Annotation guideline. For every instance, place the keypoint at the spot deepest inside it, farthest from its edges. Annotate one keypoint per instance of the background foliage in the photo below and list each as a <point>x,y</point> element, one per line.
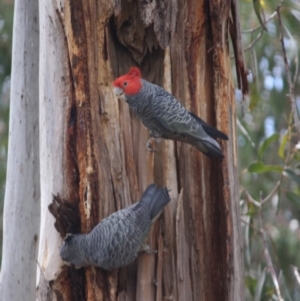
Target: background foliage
<point>269,153</point>
<point>268,143</point>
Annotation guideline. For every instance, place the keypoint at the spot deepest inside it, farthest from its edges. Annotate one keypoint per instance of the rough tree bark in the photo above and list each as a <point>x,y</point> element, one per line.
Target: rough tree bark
<point>93,149</point>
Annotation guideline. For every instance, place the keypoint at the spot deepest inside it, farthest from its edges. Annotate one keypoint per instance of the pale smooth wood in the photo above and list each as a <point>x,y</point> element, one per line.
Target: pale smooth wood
<point>21,215</point>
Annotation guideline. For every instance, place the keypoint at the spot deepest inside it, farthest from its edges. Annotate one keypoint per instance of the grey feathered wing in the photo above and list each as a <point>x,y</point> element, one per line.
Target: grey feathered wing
<point>179,124</point>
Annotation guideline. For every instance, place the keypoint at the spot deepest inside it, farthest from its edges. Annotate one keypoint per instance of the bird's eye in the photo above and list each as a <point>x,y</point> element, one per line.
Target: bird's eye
<point>125,84</point>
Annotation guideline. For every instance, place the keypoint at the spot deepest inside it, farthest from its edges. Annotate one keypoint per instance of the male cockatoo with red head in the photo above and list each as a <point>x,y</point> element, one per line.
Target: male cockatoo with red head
<point>165,116</point>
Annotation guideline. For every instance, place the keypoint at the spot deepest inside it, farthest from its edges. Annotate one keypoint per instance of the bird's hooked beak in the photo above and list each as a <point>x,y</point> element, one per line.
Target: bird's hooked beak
<point>119,93</point>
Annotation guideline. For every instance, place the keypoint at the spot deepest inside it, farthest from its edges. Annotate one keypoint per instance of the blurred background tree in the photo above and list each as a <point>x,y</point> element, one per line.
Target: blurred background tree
<point>6,22</point>
<point>268,144</point>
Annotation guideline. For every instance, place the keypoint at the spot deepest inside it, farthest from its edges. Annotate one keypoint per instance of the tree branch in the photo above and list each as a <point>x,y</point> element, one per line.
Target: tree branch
<point>266,199</point>
<point>259,26</point>
<point>250,199</point>
<point>272,193</point>
<point>244,132</point>
<point>297,69</point>
<point>251,225</point>
<point>268,258</point>
<point>260,34</point>
<point>288,73</point>
<point>296,273</point>
<point>254,41</point>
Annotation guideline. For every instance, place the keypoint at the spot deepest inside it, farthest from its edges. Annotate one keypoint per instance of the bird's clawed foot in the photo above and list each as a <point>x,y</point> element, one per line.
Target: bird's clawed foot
<point>147,249</point>
<point>154,135</point>
<point>149,145</point>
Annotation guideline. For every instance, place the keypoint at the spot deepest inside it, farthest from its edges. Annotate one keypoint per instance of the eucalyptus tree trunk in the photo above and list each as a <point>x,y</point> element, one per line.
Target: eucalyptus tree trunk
<point>22,193</point>
<point>93,149</point>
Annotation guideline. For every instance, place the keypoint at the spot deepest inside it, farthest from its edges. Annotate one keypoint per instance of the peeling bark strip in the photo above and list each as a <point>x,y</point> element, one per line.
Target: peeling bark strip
<point>76,27</point>
<point>182,46</point>
<point>76,34</point>
<point>236,38</point>
<point>221,222</point>
<point>67,218</point>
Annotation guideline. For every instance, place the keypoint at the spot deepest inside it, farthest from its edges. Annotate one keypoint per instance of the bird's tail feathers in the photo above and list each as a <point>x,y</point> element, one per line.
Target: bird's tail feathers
<point>159,201</point>
<point>148,195</point>
<point>155,198</point>
<point>146,198</point>
<point>209,147</point>
<point>211,131</point>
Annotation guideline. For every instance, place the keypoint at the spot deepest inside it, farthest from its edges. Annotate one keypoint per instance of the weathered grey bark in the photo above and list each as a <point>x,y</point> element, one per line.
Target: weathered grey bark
<point>22,194</point>
<point>53,101</point>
